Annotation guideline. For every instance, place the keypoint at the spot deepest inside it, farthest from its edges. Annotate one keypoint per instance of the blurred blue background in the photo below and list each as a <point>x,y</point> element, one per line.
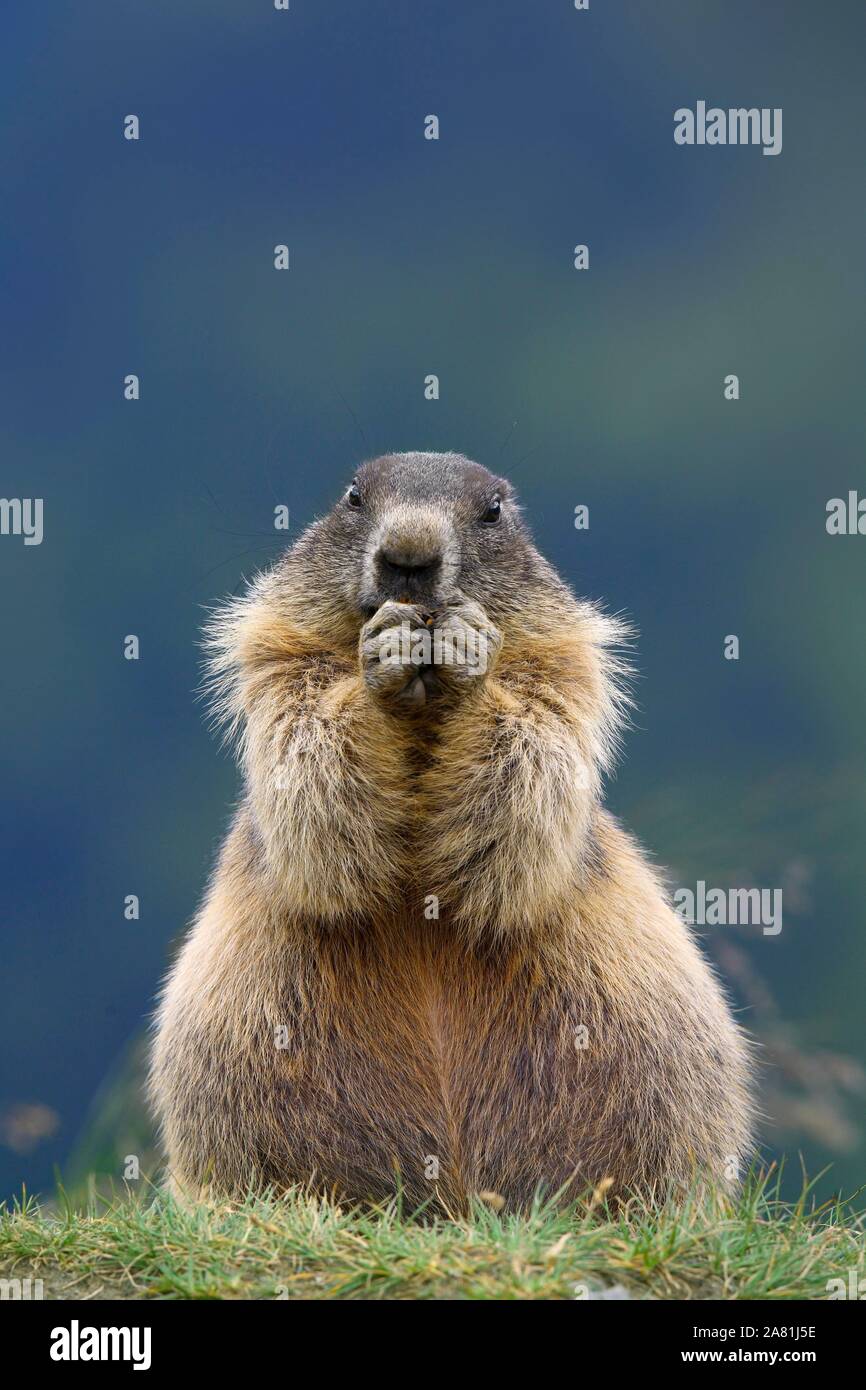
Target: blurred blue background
<point>604,387</point>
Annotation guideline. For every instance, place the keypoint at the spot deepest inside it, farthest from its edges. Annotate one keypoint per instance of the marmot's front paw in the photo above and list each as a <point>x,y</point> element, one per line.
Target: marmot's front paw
<point>465,644</point>
<point>391,662</point>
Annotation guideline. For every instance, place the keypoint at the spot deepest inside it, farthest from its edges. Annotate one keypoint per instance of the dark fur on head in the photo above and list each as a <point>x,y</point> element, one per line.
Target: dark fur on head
<point>429,516</point>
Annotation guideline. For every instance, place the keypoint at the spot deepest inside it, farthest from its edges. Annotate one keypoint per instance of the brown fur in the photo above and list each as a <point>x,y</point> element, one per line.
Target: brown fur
<point>410,1039</point>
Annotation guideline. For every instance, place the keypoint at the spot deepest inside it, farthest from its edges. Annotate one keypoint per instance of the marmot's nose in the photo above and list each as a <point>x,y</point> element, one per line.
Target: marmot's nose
<point>405,564</point>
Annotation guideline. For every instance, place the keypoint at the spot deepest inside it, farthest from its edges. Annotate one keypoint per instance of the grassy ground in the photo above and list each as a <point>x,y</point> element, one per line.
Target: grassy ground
<point>299,1247</point>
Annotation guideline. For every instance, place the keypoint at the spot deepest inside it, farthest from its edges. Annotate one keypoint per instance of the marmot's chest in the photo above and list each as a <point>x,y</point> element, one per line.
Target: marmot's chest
<point>421,1057</point>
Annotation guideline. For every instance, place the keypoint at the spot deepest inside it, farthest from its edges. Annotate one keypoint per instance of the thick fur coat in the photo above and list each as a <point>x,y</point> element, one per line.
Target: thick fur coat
<point>428,955</point>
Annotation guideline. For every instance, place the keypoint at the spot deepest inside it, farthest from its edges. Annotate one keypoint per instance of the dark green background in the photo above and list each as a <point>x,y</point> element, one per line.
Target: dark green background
<point>603,388</point>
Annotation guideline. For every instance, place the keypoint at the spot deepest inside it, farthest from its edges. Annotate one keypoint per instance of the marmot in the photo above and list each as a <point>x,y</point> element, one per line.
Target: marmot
<point>428,957</point>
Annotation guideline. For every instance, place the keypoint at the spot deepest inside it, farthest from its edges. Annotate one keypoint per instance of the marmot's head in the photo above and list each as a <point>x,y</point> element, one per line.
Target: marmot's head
<point>431,528</point>
<point>418,527</point>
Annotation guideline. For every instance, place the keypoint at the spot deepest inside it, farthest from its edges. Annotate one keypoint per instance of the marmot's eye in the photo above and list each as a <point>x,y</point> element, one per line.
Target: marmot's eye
<point>353,496</point>
<point>491,516</point>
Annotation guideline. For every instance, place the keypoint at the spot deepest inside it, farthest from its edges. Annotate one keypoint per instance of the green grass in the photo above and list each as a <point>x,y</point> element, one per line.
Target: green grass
<point>754,1247</point>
